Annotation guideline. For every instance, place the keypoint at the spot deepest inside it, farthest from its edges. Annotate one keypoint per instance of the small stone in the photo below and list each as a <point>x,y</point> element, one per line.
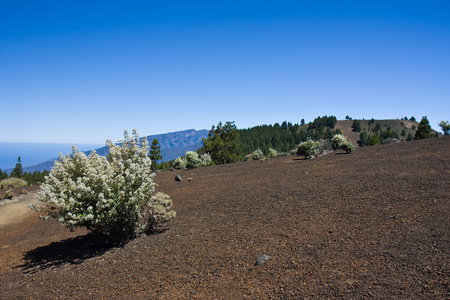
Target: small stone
<point>23,191</point>
<point>262,259</point>
<point>178,177</point>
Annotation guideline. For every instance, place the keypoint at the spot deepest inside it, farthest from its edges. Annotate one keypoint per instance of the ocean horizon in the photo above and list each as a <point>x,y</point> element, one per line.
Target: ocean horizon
<point>35,153</point>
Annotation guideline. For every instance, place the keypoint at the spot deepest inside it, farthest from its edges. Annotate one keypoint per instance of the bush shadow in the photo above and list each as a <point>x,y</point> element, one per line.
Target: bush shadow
<point>70,251</point>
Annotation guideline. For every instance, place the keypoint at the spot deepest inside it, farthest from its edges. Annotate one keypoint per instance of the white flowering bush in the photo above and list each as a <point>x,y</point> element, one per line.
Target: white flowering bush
<point>272,153</point>
<point>110,195</point>
<point>309,148</point>
<point>192,160</point>
<point>338,141</point>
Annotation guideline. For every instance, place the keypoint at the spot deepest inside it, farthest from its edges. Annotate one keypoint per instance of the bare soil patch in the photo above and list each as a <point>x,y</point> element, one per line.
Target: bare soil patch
<point>374,223</point>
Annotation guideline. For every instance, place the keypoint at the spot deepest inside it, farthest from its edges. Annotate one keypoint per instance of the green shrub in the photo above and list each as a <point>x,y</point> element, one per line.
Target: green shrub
<point>192,160</point>
<point>347,147</point>
<point>9,194</point>
<point>12,182</point>
<point>308,149</point>
<point>272,153</point>
<point>340,142</point>
<point>109,195</point>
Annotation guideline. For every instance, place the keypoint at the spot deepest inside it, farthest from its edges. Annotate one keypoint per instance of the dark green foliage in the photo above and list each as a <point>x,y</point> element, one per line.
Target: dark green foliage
<point>377,127</point>
<point>3,175</point>
<point>424,130</point>
<point>364,139</point>
<point>403,132</point>
<point>356,126</point>
<point>18,170</point>
<point>224,143</point>
<point>445,126</point>
<point>409,138</point>
<point>155,153</point>
<point>374,140</point>
<point>302,122</point>
<point>35,177</point>
<point>276,137</point>
<point>389,133</point>
<point>267,136</point>
<point>412,119</point>
<point>320,123</point>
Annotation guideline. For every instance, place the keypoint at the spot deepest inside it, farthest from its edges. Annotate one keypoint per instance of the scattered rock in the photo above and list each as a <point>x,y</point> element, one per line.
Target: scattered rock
<point>262,259</point>
<point>189,179</point>
<point>23,191</point>
<point>178,177</point>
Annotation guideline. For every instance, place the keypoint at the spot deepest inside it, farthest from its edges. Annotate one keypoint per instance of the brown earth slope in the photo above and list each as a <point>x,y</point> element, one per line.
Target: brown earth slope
<point>374,223</point>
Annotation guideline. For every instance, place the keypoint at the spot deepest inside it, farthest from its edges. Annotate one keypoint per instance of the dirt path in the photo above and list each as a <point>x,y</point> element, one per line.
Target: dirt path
<point>15,210</point>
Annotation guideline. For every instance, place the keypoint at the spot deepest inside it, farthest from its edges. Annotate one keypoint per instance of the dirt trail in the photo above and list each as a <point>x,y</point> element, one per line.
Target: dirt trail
<point>15,210</point>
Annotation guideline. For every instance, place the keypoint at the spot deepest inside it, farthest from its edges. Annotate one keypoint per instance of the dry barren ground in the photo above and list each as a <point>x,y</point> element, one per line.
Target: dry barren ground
<point>374,223</point>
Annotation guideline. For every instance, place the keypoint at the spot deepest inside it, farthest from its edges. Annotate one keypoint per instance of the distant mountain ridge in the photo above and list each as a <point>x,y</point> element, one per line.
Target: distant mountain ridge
<point>173,145</point>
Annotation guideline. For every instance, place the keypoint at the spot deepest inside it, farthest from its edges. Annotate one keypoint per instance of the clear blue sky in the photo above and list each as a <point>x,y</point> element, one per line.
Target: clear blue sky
<point>84,71</point>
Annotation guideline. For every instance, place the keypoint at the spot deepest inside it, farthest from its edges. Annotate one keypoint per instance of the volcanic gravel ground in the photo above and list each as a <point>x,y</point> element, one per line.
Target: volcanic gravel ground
<point>374,223</point>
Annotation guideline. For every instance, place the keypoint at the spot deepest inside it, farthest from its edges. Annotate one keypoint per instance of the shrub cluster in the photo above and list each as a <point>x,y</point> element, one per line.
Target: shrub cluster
<point>340,142</point>
<point>192,160</point>
<point>308,149</point>
<point>13,182</point>
<point>109,195</point>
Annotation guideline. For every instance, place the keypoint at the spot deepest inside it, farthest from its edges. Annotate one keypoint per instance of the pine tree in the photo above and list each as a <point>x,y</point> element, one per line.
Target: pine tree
<point>155,153</point>
<point>424,130</point>
<point>18,170</point>
<point>445,126</point>
<point>223,143</point>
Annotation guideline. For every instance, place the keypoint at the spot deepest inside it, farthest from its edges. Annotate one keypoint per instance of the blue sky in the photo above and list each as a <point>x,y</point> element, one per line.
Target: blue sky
<point>84,71</point>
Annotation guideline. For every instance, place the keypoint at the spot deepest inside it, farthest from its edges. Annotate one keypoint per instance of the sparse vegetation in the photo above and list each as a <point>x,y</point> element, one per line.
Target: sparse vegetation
<point>13,182</point>
<point>109,195</point>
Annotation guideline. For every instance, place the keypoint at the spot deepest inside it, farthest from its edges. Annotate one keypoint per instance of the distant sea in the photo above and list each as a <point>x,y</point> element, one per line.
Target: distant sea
<point>34,153</point>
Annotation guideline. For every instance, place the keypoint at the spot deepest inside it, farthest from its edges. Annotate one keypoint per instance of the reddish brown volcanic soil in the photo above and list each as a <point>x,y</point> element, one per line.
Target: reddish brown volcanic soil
<point>374,223</point>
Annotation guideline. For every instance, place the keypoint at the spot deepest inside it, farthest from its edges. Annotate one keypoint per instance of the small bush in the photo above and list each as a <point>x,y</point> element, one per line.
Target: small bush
<point>255,155</point>
<point>308,149</point>
<point>9,194</point>
<point>13,182</point>
<point>192,160</point>
<point>340,142</point>
<point>109,195</point>
<point>347,147</point>
<point>272,153</point>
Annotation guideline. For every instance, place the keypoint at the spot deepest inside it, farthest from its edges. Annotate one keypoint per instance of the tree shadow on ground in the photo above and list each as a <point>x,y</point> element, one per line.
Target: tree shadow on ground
<point>70,251</point>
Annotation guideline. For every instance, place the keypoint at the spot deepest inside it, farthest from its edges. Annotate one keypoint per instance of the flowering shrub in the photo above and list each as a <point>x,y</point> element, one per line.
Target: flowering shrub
<point>14,182</point>
<point>309,148</point>
<point>272,153</point>
<point>110,195</point>
<point>340,142</point>
<point>192,160</point>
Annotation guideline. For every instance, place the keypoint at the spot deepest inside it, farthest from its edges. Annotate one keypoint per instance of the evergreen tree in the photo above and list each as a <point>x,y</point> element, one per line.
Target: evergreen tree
<point>424,130</point>
<point>18,170</point>
<point>3,175</point>
<point>155,153</point>
<point>356,126</point>
<point>445,126</point>
<point>223,143</point>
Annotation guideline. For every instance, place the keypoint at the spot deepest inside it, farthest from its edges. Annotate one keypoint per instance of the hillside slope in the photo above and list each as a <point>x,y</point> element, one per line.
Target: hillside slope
<point>373,223</point>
